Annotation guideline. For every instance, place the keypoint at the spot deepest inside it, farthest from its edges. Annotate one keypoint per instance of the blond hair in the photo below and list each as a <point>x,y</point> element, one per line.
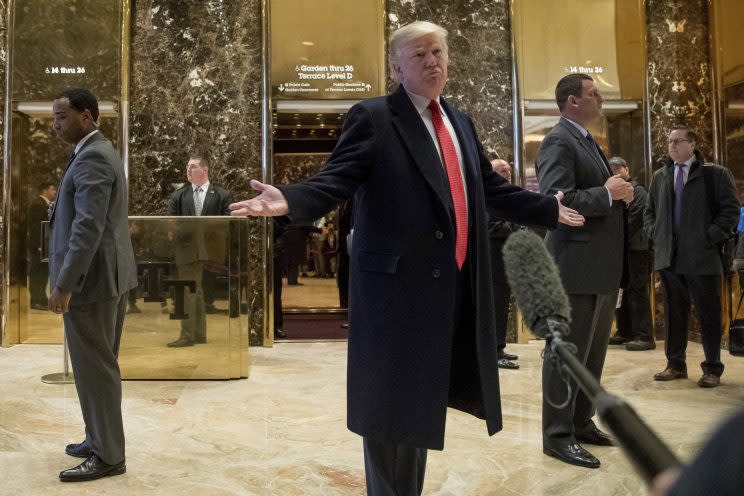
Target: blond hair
<point>405,34</point>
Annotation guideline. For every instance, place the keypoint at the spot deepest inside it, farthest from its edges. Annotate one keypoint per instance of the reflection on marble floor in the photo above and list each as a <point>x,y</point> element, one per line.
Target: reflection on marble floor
<point>282,432</point>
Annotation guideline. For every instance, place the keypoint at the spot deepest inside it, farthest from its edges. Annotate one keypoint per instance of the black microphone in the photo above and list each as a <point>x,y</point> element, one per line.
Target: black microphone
<point>536,284</point>
<point>537,287</point>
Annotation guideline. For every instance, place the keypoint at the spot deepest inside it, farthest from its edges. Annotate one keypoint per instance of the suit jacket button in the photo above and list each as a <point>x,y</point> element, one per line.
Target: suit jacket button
<point>435,273</point>
<point>438,234</point>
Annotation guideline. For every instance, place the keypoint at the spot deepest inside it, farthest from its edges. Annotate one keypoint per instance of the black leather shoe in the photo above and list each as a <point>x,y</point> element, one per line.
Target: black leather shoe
<point>640,345</point>
<point>508,356</point>
<point>81,450</point>
<point>503,363</point>
<point>92,468</point>
<point>619,340</point>
<point>39,306</point>
<point>573,454</point>
<point>133,309</point>
<point>594,436</point>
<point>180,343</point>
<point>280,334</point>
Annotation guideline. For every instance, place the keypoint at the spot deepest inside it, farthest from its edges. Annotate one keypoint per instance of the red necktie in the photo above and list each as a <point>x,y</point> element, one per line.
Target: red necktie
<point>452,166</point>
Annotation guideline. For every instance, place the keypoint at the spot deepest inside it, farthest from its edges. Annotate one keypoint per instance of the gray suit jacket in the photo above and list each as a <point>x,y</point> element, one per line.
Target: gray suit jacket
<point>590,258</point>
<point>90,251</point>
<point>701,230</point>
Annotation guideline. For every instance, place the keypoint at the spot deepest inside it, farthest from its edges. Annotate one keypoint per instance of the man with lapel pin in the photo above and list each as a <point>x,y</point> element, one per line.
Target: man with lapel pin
<point>422,334</point>
<point>91,268</point>
<point>197,197</point>
<point>590,258</point>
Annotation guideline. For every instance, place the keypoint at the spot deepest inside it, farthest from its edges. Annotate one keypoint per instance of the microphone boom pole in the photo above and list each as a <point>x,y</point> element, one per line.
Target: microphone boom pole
<point>536,285</point>
<point>648,453</point>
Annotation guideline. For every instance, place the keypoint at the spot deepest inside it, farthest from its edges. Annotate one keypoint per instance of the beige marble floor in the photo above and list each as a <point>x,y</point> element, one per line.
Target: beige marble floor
<point>282,432</point>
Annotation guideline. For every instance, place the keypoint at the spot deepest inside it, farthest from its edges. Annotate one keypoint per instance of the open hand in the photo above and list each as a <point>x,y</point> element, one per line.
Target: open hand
<point>566,215</point>
<point>269,203</point>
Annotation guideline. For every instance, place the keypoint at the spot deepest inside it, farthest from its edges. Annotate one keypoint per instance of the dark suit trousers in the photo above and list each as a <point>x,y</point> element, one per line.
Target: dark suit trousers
<point>706,295</point>
<point>591,320</point>
<point>393,469</point>
<point>93,334</point>
<point>194,328</point>
<point>501,291</point>
<point>634,314</point>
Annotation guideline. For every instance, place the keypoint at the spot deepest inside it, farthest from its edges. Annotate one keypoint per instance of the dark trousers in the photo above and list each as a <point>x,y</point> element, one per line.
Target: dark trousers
<point>501,291</point>
<point>591,319</point>
<point>280,267</point>
<point>394,469</point>
<point>38,278</point>
<point>634,314</point>
<point>93,333</point>
<point>705,292</point>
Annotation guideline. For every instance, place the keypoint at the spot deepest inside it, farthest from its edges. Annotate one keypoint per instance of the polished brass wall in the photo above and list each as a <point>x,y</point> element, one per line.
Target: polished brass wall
<point>52,45</point>
<point>184,264</point>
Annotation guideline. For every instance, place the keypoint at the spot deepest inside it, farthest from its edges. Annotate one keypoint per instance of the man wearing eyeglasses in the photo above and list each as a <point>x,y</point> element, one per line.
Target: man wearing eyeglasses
<point>691,209</point>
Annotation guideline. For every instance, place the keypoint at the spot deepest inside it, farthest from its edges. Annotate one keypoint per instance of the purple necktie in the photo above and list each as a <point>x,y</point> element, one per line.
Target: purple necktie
<point>679,185</point>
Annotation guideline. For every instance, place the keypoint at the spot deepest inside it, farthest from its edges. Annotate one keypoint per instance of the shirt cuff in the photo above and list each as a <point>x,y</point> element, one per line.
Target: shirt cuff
<point>609,195</point>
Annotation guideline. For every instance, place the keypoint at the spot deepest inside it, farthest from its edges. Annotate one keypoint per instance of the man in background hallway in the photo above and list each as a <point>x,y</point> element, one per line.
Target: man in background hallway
<point>634,328</point>
<point>38,271</point>
<point>498,231</point>
<point>590,260</point>
<point>91,267</point>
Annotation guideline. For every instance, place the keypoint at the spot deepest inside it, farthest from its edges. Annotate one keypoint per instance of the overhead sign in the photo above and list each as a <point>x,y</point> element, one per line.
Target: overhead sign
<point>316,56</point>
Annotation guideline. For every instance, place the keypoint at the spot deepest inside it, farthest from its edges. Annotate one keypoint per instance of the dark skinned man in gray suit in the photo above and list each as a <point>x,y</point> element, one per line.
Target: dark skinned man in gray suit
<point>91,267</point>
<point>590,259</point>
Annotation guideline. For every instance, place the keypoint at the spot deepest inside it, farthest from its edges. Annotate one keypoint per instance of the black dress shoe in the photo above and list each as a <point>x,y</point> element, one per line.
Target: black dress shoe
<point>39,306</point>
<point>640,345</point>
<point>594,436</point>
<point>503,363</point>
<point>280,334</point>
<point>180,343</point>
<point>92,468</point>
<point>508,356</point>
<point>81,450</point>
<point>573,454</point>
<point>617,339</point>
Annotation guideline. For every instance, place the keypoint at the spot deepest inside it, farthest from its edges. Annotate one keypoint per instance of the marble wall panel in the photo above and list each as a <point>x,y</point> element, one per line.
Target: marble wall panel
<point>196,69</point>
<point>679,82</point>
<point>480,80</point>
<point>680,89</point>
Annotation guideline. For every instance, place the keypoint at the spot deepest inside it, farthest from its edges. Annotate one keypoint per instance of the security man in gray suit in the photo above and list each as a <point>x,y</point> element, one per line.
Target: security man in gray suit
<point>590,259</point>
<point>91,266</point>
<point>692,207</point>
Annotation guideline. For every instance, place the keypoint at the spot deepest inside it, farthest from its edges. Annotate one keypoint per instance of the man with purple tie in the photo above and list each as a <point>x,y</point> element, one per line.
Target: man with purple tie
<point>692,208</point>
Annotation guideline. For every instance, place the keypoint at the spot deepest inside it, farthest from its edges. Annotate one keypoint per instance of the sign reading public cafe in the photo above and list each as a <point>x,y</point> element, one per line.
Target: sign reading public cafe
<point>327,49</point>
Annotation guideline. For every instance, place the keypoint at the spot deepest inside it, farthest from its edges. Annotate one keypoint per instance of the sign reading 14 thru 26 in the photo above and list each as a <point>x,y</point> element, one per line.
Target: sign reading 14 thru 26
<point>323,81</point>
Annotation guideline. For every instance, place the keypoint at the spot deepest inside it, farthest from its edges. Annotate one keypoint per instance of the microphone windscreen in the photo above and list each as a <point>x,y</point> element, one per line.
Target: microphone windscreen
<point>534,279</point>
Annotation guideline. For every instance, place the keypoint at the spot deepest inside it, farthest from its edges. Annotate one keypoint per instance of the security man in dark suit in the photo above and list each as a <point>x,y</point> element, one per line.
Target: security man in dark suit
<point>197,197</point>
<point>91,270</point>
<point>590,259</point>
<point>692,208</point>
<point>422,334</point>
<point>38,272</point>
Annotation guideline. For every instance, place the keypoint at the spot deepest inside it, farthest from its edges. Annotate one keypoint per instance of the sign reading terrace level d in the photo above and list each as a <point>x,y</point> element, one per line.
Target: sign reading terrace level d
<point>342,59</point>
<point>340,77</point>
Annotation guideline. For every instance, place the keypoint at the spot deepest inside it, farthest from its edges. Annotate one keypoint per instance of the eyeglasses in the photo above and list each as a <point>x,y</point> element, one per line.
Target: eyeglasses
<point>677,141</point>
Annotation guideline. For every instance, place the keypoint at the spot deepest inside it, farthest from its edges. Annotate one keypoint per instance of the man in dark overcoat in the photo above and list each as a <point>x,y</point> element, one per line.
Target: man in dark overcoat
<point>692,208</point>
<point>422,334</point>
